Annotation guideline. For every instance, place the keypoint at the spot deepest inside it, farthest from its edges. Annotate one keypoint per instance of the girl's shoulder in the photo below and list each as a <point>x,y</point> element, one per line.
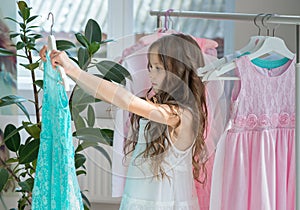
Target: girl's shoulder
<point>183,136</point>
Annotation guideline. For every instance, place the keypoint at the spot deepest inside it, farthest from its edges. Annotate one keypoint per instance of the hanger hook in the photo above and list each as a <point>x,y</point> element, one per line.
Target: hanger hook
<point>255,23</point>
<point>263,22</point>
<point>276,25</point>
<point>167,16</point>
<point>52,23</point>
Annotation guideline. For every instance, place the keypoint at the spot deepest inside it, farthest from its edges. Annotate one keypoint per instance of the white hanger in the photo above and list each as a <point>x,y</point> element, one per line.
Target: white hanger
<point>52,46</point>
<point>270,45</point>
<point>216,74</point>
<point>253,44</point>
<point>210,66</point>
<point>255,41</point>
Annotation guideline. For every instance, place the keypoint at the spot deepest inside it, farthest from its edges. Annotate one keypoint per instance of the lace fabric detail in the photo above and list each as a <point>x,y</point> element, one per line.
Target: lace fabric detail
<point>129,203</point>
<point>56,185</point>
<point>255,158</point>
<point>264,98</point>
<point>264,121</point>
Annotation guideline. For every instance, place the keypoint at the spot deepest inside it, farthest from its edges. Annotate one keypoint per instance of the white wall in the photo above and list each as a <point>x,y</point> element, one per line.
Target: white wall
<point>243,30</point>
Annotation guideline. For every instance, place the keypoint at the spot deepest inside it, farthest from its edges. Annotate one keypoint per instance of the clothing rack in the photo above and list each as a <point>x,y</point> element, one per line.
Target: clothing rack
<point>275,19</point>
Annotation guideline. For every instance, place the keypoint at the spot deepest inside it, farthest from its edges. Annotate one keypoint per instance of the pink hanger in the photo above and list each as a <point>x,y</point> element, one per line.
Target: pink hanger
<point>167,15</point>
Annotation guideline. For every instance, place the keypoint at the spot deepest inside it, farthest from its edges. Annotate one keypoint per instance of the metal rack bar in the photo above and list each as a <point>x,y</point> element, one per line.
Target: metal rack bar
<point>276,19</point>
<point>279,19</point>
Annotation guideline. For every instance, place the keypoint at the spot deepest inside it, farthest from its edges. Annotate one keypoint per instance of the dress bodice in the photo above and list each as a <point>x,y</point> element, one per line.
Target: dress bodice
<point>263,98</point>
<point>143,190</point>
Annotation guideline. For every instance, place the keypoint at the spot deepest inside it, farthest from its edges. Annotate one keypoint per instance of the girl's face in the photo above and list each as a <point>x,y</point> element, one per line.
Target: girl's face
<point>157,73</point>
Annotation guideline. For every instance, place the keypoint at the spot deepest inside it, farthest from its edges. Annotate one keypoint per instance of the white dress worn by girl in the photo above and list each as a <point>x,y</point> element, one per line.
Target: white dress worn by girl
<point>143,191</point>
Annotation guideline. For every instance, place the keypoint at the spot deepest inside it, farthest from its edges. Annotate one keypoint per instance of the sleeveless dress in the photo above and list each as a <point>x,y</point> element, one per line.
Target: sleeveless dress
<point>254,165</point>
<point>55,186</point>
<point>145,192</point>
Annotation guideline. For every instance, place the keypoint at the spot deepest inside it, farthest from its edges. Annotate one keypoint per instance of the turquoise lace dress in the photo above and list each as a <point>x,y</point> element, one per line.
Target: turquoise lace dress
<point>56,186</point>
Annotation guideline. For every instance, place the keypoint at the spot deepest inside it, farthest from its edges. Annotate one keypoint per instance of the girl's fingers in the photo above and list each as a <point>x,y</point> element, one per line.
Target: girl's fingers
<point>43,52</point>
<point>54,56</point>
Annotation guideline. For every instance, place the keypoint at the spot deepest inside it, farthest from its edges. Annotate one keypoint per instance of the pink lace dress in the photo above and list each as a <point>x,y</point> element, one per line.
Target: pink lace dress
<point>254,166</point>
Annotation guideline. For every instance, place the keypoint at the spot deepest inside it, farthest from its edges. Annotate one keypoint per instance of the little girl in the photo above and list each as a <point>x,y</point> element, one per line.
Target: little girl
<point>167,142</point>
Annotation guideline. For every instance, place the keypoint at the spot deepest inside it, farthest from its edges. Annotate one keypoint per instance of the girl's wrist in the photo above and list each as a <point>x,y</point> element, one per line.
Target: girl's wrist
<point>73,72</point>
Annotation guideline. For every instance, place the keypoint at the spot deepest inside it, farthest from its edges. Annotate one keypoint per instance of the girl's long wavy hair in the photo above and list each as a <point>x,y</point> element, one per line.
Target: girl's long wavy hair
<point>180,56</point>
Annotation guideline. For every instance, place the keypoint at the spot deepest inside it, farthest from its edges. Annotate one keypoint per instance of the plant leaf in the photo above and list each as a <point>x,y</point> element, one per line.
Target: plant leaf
<point>79,122</point>
<point>11,134</point>
<point>106,41</point>
<point>79,172</point>
<point>20,45</point>
<point>39,83</point>
<point>94,47</point>
<point>80,99</point>
<point>113,71</point>
<point>30,66</point>
<point>13,35</point>
<point>85,145</point>
<point>4,52</point>
<point>32,129</point>
<point>90,116</point>
<point>3,178</point>
<point>93,134</point>
<point>25,13</point>
<point>30,152</point>
<point>108,134</point>
<point>11,160</point>
<point>104,153</point>
<point>85,200</point>
<point>11,99</point>
<point>32,18</point>
<point>9,18</point>
<point>83,57</point>
<point>27,185</point>
<point>82,40</point>
<point>79,160</point>
<point>12,143</point>
<point>23,108</point>
<point>93,31</point>
<point>64,45</point>
<point>37,36</point>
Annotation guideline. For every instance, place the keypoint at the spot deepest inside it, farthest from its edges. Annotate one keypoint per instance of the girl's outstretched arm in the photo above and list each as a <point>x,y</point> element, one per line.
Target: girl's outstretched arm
<point>111,92</point>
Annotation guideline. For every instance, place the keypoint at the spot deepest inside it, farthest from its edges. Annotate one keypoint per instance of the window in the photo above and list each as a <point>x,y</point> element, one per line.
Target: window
<point>71,16</point>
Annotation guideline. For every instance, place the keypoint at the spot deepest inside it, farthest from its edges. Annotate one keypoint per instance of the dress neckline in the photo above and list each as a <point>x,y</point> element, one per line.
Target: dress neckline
<point>271,73</point>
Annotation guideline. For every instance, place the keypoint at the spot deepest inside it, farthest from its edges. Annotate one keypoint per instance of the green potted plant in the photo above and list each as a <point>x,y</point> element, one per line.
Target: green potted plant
<point>19,169</point>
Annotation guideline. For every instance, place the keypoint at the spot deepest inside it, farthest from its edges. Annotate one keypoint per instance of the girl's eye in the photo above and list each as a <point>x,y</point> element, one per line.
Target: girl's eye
<point>159,69</point>
<point>156,69</point>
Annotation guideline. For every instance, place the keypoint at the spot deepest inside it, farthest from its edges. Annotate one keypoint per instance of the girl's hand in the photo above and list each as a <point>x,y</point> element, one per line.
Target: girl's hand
<point>58,58</point>
<point>43,52</point>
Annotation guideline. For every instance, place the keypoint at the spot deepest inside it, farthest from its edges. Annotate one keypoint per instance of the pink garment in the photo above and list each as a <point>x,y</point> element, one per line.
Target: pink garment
<point>217,108</point>
<point>207,46</point>
<point>203,191</point>
<point>254,166</point>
